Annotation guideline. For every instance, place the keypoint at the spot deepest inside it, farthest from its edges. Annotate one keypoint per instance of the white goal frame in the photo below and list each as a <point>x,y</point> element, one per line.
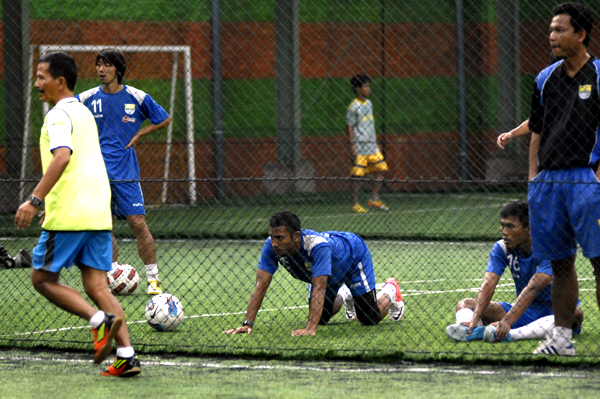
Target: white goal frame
<point>189,109</point>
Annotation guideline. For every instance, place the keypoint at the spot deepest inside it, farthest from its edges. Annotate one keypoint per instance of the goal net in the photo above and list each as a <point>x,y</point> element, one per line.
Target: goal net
<point>178,52</point>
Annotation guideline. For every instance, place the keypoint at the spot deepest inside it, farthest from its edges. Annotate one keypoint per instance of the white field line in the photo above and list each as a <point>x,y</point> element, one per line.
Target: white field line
<point>319,369</point>
<point>405,293</point>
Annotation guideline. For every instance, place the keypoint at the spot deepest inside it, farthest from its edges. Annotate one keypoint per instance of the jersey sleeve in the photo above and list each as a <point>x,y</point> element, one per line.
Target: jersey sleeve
<point>321,260</point>
<point>59,128</point>
<point>268,259</point>
<point>351,115</point>
<point>152,111</point>
<point>536,118</point>
<point>545,267</point>
<point>498,261</point>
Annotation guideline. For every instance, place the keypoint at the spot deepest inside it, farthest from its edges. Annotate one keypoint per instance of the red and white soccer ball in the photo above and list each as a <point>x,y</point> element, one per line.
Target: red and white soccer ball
<point>123,280</point>
<point>164,312</point>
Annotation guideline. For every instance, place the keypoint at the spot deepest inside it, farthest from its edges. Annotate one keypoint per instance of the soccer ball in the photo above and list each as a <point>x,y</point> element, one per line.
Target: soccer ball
<point>123,280</point>
<point>164,312</point>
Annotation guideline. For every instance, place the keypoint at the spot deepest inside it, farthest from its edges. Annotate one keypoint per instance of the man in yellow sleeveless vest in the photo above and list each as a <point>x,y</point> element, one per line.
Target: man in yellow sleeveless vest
<point>76,222</point>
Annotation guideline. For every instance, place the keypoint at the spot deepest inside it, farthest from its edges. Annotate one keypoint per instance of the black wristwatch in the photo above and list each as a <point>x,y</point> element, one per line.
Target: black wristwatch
<point>247,323</point>
<point>34,201</point>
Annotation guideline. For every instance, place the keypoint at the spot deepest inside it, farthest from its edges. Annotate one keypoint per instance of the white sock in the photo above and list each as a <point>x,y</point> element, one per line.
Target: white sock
<point>126,351</point>
<point>97,319</point>
<point>344,292</point>
<point>152,272</point>
<point>562,335</point>
<point>534,330</point>
<point>388,289</point>
<point>465,315</point>
<point>114,265</point>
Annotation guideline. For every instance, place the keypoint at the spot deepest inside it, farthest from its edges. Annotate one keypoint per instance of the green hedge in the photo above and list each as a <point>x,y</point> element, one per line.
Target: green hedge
<point>412,105</point>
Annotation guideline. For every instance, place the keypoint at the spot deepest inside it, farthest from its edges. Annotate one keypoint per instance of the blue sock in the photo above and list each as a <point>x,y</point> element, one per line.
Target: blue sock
<point>477,333</point>
<point>508,338</point>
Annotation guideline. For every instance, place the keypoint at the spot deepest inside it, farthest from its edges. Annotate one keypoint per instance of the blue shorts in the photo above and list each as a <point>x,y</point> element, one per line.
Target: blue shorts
<point>530,315</point>
<point>564,209</point>
<point>126,199</point>
<point>361,276</point>
<point>60,250</point>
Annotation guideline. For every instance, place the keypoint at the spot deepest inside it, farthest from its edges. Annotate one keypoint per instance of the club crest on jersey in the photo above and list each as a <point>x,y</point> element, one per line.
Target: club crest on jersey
<point>585,91</point>
<point>130,108</point>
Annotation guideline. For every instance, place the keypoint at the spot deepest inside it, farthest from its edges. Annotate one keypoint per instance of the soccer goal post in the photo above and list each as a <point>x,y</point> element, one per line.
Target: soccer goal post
<point>189,110</point>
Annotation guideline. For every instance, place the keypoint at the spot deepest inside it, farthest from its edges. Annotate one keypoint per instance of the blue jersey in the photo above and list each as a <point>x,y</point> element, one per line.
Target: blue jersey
<point>119,117</point>
<point>340,255</point>
<point>522,269</point>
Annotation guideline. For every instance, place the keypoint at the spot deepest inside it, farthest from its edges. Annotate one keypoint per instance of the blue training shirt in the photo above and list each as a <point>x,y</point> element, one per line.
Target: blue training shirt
<point>331,253</point>
<point>119,116</point>
<point>522,269</point>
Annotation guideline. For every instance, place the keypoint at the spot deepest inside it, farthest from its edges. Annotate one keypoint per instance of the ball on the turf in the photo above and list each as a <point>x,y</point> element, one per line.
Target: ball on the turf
<point>164,312</point>
<point>123,280</point>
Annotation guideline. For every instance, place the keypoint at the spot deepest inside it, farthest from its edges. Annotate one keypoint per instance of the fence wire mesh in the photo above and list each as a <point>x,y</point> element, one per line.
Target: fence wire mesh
<point>262,102</point>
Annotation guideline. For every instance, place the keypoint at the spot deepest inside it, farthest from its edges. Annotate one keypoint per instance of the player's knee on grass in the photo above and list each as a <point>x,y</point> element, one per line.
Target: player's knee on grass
<point>367,311</point>
<point>578,318</point>
<point>466,303</point>
<point>327,309</point>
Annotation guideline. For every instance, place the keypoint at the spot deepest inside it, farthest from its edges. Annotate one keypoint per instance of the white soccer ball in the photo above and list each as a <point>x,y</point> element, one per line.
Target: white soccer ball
<point>164,312</point>
<point>123,280</point>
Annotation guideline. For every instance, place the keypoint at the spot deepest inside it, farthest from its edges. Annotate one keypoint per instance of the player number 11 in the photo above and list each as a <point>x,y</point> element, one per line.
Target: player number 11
<point>99,103</point>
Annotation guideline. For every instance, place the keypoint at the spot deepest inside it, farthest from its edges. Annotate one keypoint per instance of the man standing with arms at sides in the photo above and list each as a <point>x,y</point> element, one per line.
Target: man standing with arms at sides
<point>76,222</point>
<point>119,111</point>
<point>366,155</point>
<point>564,193</point>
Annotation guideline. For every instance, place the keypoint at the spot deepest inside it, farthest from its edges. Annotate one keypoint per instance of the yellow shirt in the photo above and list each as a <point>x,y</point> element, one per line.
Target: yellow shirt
<point>80,200</point>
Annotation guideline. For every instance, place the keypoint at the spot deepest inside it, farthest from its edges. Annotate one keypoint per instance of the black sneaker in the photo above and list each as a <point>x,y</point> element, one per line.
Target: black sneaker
<point>23,259</point>
<point>6,261</point>
<point>123,367</point>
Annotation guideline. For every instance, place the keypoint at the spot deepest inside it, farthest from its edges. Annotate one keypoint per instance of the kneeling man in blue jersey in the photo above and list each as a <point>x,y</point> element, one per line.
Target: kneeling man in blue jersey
<point>327,261</point>
<point>119,111</point>
<point>530,317</point>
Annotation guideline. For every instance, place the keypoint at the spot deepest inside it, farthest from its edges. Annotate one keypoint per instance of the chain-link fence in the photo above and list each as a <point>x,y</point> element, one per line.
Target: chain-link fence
<point>261,100</point>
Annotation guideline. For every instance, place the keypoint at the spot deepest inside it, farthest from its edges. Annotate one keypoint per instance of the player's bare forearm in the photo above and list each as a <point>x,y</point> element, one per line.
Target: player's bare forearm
<point>351,140</point>
<point>59,162</point>
<point>316,306</point>
<point>147,130</point>
<point>263,281</point>
<point>484,296</point>
<point>521,130</point>
<point>538,282</point>
<point>534,149</point>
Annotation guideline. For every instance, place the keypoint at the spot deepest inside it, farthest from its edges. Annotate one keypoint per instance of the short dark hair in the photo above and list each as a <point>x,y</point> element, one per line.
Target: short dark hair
<point>517,209</point>
<point>358,81</point>
<point>580,15</point>
<point>287,219</point>
<point>61,65</point>
<point>115,58</point>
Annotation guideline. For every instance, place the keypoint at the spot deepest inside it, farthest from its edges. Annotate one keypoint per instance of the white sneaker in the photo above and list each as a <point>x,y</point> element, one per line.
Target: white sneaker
<point>458,332</point>
<point>350,311</point>
<point>489,335</point>
<point>396,310</point>
<point>551,347</point>
<point>344,292</point>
